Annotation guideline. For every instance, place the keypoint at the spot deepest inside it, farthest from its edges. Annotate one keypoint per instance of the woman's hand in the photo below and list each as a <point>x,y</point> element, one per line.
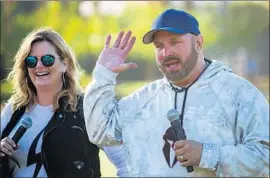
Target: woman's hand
<point>7,147</point>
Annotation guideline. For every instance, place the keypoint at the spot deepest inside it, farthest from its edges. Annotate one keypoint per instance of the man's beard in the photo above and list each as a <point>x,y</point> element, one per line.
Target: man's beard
<point>186,66</point>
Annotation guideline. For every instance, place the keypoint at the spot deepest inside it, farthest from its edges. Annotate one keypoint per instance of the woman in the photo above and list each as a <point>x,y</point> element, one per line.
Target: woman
<point>47,93</point>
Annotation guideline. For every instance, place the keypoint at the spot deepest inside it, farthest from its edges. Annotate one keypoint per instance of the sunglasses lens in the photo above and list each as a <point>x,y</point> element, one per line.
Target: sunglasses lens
<point>48,60</point>
<point>31,61</point>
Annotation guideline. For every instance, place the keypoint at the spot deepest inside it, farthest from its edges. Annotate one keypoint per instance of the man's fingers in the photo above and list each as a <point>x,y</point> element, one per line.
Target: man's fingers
<point>179,152</point>
<point>125,66</point>
<point>186,163</point>
<point>108,40</point>
<point>179,144</point>
<point>125,40</point>
<point>129,45</point>
<point>131,65</point>
<point>118,40</point>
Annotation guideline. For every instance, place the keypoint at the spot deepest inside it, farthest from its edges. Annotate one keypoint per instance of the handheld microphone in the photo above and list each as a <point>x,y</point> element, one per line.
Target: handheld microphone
<point>178,131</point>
<point>25,124</point>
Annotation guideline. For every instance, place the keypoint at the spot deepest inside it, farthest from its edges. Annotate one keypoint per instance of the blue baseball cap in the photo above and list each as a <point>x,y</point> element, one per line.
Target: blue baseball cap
<point>174,21</point>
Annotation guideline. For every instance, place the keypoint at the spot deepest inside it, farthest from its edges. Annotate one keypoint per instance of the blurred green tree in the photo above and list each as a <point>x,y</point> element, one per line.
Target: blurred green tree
<point>225,28</point>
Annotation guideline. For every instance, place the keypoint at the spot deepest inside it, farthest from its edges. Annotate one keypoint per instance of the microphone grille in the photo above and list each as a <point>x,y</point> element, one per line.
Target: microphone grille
<point>173,115</point>
<point>26,122</point>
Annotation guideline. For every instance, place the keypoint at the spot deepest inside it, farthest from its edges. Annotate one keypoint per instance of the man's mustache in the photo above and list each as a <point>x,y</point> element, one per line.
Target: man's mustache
<point>169,58</point>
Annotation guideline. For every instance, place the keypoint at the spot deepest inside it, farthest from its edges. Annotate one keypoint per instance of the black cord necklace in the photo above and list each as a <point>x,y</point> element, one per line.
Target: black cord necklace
<point>176,90</point>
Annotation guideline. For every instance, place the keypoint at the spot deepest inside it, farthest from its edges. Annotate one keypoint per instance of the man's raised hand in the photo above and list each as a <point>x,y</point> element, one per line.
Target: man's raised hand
<point>113,58</point>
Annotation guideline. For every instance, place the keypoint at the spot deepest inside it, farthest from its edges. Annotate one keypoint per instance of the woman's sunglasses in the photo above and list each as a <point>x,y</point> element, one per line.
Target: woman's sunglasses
<point>47,61</point>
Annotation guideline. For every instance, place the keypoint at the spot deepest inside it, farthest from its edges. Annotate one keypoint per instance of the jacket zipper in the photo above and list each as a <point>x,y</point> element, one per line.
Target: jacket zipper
<point>42,148</point>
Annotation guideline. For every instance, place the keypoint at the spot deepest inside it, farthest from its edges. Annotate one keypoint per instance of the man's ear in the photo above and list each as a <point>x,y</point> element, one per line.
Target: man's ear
<point>199,42</point>
<point>64,65</point>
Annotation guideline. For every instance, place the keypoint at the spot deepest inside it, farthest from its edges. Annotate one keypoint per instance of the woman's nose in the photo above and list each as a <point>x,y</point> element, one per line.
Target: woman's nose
<point>39,63</point>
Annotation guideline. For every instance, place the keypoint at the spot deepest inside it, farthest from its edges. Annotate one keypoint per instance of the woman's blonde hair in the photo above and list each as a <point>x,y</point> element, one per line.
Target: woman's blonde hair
<point>24,90</point>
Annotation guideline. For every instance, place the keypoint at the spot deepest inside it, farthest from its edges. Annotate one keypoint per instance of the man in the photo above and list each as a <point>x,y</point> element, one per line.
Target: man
<point>225,118</point>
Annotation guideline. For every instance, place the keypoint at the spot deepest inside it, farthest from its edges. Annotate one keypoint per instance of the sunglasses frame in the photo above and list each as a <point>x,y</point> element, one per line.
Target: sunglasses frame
<point>42,58</point>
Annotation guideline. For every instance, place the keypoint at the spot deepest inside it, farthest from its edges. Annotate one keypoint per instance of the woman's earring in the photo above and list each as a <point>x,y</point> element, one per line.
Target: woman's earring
<point>64,80</point>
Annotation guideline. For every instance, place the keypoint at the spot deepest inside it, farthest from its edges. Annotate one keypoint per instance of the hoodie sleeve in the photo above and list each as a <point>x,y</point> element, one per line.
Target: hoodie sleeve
<point>101,108</point>
<point>250,155</point>
<point>116,155</point>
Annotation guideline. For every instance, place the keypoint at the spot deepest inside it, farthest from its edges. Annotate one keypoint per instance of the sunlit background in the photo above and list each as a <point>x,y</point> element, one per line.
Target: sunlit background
<point>235,32</point>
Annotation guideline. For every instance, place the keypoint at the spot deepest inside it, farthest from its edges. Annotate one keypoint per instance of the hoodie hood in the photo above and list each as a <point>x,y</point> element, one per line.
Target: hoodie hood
<point>214,68</point>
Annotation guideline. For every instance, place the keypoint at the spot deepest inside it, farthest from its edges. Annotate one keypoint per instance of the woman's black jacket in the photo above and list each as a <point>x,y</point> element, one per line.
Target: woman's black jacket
<point>66,150</point>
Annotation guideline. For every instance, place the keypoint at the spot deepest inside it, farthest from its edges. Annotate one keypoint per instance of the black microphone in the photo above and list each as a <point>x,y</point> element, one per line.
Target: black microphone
<point>24,124</point>
<point>178,131</point>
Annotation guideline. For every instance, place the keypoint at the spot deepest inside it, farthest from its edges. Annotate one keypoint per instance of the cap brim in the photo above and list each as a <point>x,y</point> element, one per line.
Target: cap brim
<point>149,36</point>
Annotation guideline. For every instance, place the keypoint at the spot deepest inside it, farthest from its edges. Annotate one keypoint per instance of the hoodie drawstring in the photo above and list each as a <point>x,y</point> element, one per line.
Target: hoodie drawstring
<point>176,90</point>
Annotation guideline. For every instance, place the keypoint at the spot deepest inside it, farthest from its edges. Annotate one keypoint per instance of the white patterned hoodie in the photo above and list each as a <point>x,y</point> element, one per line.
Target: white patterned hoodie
<point>223,111</point>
